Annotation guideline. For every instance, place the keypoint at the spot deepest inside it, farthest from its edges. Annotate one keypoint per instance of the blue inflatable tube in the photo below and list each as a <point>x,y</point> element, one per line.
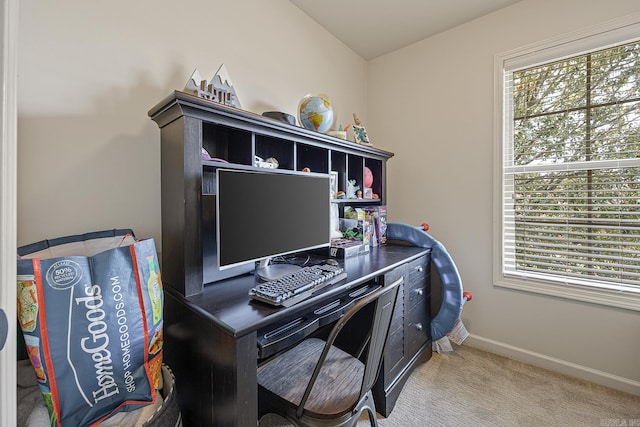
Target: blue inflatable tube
<point>452,301</point>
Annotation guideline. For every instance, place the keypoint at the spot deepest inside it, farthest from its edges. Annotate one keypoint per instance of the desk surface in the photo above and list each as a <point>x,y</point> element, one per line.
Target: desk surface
<point>227,303</point>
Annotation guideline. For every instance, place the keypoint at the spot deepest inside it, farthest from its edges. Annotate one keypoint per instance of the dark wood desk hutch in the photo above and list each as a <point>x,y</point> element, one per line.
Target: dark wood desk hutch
<point>213,331</point>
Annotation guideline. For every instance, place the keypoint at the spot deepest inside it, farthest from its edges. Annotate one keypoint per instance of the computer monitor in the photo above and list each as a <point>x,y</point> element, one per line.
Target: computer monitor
<point>262,214</point>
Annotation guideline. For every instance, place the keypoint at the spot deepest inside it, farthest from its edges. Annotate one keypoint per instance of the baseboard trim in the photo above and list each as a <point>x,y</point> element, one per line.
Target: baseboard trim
<point>553,364</point>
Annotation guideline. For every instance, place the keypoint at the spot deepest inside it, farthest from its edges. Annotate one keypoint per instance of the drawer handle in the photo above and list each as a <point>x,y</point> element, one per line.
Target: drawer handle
<point>419,326</point>
<point>419,269</point>
<point>419,292</point>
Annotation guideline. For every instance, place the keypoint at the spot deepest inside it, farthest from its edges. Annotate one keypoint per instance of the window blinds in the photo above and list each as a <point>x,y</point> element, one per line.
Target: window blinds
<point>571,173</point>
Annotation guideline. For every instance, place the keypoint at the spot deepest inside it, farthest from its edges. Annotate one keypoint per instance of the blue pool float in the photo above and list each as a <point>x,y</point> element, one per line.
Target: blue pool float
<point>452,296</point>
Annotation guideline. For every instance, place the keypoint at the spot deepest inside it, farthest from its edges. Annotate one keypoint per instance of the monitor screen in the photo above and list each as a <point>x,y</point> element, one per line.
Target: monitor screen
<point>262,214</point>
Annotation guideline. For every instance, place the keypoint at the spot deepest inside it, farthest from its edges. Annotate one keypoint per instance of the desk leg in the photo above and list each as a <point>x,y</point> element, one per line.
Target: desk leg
<point>216,378</point>
<point>236,386</point>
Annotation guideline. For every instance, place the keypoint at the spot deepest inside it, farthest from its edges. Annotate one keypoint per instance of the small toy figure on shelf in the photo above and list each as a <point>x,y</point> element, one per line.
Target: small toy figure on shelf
<point>270,163</point>
<point>351,189</point>
<point>340,133</point>
<point>359,132</point>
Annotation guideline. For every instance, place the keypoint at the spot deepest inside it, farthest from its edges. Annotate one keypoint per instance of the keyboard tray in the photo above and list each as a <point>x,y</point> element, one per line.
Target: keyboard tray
<point>294,329</point>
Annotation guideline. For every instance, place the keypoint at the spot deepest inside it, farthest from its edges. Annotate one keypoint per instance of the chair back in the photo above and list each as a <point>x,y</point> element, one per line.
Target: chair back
<point>383,312</point>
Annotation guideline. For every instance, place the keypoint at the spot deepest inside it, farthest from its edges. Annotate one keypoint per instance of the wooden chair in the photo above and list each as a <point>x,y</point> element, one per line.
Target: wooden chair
<point>317,384</point>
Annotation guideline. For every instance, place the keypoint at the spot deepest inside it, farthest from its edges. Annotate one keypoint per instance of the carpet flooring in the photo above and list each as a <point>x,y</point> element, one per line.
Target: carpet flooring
<point>469,387</point>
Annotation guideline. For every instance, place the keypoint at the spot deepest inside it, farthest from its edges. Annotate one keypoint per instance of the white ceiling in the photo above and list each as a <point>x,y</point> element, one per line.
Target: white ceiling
<point>373,28</point>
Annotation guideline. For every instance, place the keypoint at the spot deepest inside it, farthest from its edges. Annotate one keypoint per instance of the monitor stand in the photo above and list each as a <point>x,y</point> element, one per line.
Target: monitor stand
<point>266,271</point>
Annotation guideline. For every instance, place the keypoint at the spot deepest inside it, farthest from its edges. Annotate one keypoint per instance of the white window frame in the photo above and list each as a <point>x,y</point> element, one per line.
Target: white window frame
<point>602,36</point>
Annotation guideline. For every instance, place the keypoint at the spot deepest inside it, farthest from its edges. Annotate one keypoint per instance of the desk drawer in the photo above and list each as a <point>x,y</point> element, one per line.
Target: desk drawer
<point>417,295</point>
<point>418,326</point>
<point>417,288</point>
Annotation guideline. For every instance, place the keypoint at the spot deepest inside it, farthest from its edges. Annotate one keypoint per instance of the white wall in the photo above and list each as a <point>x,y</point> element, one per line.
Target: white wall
<point>432,104</point>
<point>89,155</point>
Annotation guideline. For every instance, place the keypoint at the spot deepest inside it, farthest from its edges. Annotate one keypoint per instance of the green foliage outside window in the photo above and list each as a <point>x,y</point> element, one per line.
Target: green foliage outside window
<point>576,167</point>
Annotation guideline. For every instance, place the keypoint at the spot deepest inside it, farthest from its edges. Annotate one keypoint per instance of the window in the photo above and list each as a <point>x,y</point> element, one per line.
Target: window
<point>569,157</point>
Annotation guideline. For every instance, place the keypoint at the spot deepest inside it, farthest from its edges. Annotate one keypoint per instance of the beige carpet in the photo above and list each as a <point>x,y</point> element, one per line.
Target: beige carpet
<point>469,387</point>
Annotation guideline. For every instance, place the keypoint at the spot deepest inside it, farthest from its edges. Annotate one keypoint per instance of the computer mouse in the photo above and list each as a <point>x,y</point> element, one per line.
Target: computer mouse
<point>331,261</point>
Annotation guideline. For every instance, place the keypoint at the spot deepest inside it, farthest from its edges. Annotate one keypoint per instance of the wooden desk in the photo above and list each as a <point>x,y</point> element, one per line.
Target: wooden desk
<point>211,337</point>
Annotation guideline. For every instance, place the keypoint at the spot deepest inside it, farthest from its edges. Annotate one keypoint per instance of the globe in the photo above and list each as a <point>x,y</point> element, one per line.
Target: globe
<point>315,113</point>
